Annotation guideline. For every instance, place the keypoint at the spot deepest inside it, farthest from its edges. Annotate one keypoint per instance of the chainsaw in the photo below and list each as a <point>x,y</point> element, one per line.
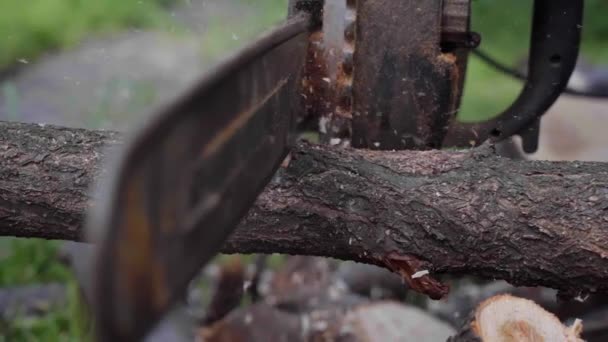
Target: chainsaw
<point>374,74</point>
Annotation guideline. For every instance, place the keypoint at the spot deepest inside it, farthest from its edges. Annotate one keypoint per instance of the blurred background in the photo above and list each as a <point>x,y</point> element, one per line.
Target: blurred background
<point>106,63</point>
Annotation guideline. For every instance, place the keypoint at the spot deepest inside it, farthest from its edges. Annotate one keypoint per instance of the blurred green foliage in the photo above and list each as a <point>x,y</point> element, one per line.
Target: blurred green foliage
<point>25,261</point>
<point>222,38</point>
<point>28,28</point>
<point>34,261</point>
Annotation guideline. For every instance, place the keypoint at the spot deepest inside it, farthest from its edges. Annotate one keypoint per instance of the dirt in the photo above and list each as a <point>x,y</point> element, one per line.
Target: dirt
<point>111,81</point>
<point>575,129</point>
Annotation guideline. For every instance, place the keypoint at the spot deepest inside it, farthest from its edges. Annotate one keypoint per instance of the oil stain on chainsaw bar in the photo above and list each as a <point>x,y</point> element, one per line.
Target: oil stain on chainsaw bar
<point>189,176</point>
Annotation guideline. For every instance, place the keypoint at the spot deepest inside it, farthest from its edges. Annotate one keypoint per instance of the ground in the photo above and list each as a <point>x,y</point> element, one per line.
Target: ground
<point>107,63</point>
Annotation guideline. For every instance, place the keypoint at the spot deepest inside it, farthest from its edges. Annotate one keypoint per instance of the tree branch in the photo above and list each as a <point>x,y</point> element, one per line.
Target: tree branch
<point>528,222</point>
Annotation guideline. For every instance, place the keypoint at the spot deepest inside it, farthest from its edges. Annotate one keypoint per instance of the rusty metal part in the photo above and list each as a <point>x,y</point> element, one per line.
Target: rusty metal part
<point>406,90</point>
<point>459,40</point>
<point>327,83</point>
<point>455,16</point>
<point>313,7</point>
<point>387,74</point>
<point>186,179</point>
<point>455,24</point>
<point>339,32</point>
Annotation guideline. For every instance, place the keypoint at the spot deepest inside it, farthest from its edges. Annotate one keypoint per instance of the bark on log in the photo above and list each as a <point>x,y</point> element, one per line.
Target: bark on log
<point>45,175</point>
<point>528,222</point>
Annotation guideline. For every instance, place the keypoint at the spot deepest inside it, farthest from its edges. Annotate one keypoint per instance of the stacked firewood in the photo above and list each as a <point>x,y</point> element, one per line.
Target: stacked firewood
<point>315,299</point>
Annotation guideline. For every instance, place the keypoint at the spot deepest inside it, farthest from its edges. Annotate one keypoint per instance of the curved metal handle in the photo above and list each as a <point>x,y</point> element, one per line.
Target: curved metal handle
<point>556,34</point>
<point>554,48</point>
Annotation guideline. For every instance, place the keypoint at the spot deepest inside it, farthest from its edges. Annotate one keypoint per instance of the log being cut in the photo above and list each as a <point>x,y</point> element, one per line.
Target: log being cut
<point>505,318</point>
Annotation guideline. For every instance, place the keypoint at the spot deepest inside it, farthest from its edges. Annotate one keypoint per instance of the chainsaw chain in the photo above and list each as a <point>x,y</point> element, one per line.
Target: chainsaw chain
<point>347,68</point>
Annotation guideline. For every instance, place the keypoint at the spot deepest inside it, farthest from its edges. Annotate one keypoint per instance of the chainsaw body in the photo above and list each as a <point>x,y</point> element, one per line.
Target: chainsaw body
<point>376,74</point>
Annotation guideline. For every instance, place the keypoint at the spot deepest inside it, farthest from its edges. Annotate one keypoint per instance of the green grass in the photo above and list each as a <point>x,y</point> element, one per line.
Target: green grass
<point>35,26</point>
<point>59,325</point>
<point>33,261</point>
<point>222,38</point>
<point>25,261</point>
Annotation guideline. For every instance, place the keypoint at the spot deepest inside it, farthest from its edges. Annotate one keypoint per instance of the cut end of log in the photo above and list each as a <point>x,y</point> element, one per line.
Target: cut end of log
<point>505,318</point>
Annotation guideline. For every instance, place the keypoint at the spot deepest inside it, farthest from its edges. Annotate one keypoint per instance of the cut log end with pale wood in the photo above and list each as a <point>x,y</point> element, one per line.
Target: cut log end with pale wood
<point>505,318</point>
